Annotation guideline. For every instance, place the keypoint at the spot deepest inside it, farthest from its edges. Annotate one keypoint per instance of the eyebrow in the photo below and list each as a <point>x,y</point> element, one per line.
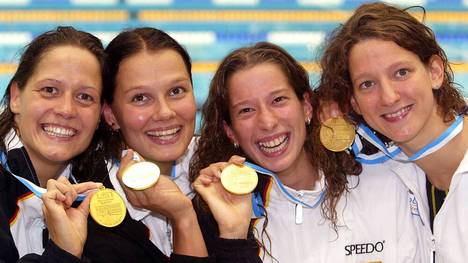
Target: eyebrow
<point>274,92</point>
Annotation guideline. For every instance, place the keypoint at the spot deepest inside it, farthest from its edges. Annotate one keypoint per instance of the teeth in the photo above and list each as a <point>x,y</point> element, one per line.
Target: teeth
<point>275,145</point>
<point>59,131</point>
<point>398,113</point>
<point>165,134</point>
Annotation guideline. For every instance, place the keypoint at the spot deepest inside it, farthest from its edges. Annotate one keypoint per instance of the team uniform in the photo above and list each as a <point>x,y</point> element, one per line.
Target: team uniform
<point>374,223</point>
<point>449,241</point>
<point>27,233</point>
<point>145,236</point>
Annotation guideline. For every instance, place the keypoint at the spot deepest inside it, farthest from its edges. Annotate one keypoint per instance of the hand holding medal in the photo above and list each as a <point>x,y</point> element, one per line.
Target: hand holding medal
<point>226,188</point>
<point>67,225</point>
<point>145,187</point>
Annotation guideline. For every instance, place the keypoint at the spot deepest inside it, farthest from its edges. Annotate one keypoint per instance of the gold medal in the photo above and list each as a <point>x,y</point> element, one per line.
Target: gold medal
<point>107,208</point>
<point>239,179</point>
<point>141,175</point>
<point>337,134</point>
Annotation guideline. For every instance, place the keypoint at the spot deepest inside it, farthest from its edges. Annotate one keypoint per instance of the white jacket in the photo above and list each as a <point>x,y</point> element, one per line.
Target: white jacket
<point>450,237</point>
<point>374,218</point>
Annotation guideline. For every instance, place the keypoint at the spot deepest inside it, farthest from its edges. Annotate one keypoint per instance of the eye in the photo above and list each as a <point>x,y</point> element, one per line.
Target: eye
<point>140,98</point>
<point>279,99</point>
<point>366,84</point>
<point>176,91</point>
<point>245,111</point>
<point>401,73</point>
<point>86,98</point>
<point>49,91</point>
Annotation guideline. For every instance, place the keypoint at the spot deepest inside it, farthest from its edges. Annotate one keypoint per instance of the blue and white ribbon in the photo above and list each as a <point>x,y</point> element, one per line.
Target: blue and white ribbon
<point>36,190</point>
<point>283,189</point>
<point>392,152</point>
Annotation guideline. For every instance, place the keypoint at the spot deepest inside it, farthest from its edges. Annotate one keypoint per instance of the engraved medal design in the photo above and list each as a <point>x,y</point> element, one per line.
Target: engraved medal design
<point>337,134</point>
<point>107,208</point>
<point>239,179</point>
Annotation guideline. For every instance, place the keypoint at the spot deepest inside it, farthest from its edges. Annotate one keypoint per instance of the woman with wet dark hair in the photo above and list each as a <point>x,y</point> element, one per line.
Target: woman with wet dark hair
<point>51,111</point>
<point>386,70</point>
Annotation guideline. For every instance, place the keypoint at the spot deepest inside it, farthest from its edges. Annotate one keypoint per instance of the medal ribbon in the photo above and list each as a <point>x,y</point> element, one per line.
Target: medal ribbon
<point>283,189</point>
<point>391,152</point>
<point>36,190</point>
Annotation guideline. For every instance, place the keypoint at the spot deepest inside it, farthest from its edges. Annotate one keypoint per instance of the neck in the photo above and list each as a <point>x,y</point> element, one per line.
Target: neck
<point>442,164</point>
<point>46,170</point>
<point>302,175</point>
<point>165,167</point>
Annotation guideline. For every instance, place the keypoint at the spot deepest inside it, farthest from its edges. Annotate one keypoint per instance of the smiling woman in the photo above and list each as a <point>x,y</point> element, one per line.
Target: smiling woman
<point>53,103</point>
<point>386,70</point>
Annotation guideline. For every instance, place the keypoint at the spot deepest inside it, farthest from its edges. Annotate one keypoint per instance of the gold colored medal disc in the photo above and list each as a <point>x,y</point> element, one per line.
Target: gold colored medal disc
<point>107,208</point>
<point>337,134</point>
<point>239,179</point>
<point>141,175</point>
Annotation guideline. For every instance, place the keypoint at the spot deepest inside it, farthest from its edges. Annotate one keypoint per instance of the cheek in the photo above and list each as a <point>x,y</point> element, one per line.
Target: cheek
<point>186,110</point>
<point>134,119</point>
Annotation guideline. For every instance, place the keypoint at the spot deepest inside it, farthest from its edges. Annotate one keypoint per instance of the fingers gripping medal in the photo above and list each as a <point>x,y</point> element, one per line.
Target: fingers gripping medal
<point>107,208</point>
<point>239,179</point>
<point>337,134</point>
<point>141,175</point>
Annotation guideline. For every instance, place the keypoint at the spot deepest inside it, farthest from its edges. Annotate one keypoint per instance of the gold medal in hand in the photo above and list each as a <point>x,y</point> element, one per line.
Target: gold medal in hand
<point>336,134</point>
<point>107,207</point>
<point>239,179</point>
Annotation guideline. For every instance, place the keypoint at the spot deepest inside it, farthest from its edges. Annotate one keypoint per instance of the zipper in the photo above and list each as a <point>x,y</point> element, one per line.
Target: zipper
<point>433,249</point>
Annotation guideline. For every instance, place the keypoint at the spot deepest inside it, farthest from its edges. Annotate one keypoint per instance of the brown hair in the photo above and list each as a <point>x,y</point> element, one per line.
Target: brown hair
<point>214,145</point>
<point>385,22</point>
<point>62,36</point>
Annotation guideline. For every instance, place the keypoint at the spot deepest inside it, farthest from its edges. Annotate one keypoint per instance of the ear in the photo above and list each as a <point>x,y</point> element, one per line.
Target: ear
<point>109,117</point>
<point>355,106</point>
<point>230,133</point>
<point>307,104</point>
<point>15,98</point>
<point>436,70</point>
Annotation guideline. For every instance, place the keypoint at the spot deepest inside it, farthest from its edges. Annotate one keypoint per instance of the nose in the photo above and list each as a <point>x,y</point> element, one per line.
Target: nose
<point>267,119</point>
<point>163,110</point>
<point>389,93</point>
<point>66,107</point>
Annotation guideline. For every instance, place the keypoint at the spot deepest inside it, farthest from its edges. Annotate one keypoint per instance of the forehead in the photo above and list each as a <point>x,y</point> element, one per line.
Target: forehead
<point>376,54</point>
<point>153,63</point>
<point>68,59</point>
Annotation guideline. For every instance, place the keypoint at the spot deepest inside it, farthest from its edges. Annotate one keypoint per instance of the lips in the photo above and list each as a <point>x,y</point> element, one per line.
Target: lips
<point>275,145</point>
<point>397,115</point>
<point>165,136</point>
<point>58,131</point>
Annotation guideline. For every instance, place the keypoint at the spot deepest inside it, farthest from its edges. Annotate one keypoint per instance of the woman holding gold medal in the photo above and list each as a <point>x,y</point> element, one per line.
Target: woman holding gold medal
<point>385,69</point>
<point>51,111</point>
<point>150,108</point>
<point>311,204</point>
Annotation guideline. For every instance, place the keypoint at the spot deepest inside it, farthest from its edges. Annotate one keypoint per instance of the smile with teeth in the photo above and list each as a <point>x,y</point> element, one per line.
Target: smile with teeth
<point>397,114</point>
<point>57,131</point>
<point>165,134</point>
<point>275,145</point>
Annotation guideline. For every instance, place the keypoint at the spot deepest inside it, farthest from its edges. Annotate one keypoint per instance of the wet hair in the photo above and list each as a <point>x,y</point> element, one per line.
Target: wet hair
<point>32,55</point>
<point>384,22</point>
<point>125,45</point>
<point>214,145</point>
